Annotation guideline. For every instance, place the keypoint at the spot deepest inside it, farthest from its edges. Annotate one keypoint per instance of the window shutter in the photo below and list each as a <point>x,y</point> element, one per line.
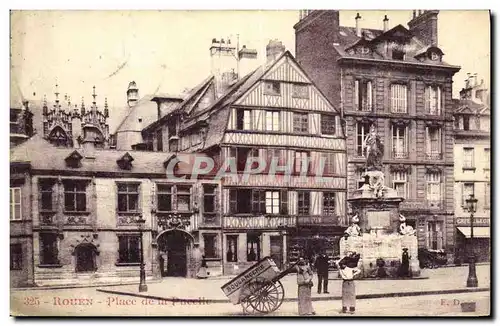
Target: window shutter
<point>369,94</point>
<point>438,104</point>
<point>427,99</point>
<point>284,202</point>
<point>232,200</point>
<point>356,94</point>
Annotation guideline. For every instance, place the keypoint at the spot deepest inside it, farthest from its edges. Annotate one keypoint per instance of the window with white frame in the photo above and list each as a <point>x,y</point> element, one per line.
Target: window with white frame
<point>300,91</point>
<point>272,120</point>
<point>362,129</point>
<point>243,119</point>
<point>399,98</point>
<point>467,191</point>
<point>433,100</point>
<point>433,180</point>
<point>363,95</point>
<point>300,122</point>
<point>468,161</point>
<point>400,183</point>
<point>330,163</point>
<point>433,142</point>
<point>400,141</point>
<point>15,204</point>
<point>272,202</point>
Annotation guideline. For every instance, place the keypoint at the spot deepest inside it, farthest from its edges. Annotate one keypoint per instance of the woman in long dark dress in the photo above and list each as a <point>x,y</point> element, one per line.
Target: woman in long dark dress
<point>304,283</point>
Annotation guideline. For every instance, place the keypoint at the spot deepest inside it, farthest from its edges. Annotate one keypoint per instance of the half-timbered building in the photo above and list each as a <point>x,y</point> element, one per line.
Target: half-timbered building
<point>273,114</point>
<point>395,79</point>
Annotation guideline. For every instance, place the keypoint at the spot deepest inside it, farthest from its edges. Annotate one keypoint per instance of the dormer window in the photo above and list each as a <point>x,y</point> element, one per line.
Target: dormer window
<point>125,162</point>
<point>434,56</point>
<point>364,50</point>
<point>73,160</point>
<point>398,54</point>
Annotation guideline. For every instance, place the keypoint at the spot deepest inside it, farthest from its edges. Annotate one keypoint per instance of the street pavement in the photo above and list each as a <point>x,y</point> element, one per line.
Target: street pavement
<point>442,279</point>
<point>89,301</point>
<point>56,303</point>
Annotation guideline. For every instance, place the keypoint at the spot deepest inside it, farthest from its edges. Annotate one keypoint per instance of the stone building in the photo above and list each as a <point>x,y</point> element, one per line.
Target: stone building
<point>275,112</point>
<point>86,205</point>
<point>396,79</point>
<point>472,168</point>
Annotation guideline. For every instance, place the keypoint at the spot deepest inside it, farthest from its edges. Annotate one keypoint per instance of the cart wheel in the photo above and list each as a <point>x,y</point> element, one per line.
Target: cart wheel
<point>266,296</point>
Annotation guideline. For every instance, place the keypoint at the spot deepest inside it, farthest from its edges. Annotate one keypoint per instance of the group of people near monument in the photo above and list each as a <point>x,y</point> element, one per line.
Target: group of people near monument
<point>348,270</point>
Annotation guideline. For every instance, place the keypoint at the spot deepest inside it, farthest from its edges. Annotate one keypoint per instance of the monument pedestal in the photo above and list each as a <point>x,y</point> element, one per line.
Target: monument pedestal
<point>380,242</point>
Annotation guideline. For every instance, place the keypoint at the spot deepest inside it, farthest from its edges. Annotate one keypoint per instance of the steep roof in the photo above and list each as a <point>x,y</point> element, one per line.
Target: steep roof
<point>218,113</point>
<point>43,156</point>
<point>186,105</point>
<point>349,39</point>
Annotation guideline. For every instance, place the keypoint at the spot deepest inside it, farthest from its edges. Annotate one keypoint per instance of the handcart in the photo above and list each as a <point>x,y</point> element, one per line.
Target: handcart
<point>258,289</point>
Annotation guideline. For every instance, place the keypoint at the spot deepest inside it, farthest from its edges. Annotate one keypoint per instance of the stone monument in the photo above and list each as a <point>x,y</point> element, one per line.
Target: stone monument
<point>378,232</point>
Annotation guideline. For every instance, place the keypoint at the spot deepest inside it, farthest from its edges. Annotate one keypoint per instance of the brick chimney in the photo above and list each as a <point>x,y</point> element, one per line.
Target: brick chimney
<point>424,25</point>
<point>274,49</point>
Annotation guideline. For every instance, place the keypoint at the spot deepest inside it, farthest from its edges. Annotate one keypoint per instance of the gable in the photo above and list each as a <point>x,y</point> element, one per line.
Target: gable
<point>310,99</point>
<point>286,70</point>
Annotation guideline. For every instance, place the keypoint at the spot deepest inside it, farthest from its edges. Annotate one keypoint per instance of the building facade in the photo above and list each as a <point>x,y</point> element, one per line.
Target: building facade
<point>396,80</point>
<point>90,208</point>
<point>472,174</point>
<point>273,114</point>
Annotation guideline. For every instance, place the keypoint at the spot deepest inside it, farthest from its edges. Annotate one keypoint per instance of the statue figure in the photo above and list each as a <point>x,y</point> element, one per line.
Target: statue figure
<point>374,150</point>
<point>353,230</point>
<point>403,228</point>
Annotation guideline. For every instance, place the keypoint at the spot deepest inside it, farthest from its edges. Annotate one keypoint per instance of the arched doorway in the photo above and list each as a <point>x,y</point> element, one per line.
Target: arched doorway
<point>85,258</point>
<point>174,246</point>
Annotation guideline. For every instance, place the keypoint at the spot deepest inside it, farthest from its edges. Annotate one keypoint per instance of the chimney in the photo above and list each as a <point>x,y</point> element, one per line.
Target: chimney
<point>223,61</point>
<point>386,23</point>
<point>358,27</point>
<point>475,79</point>
<point>247,61</point>
<point>424,25</point>
<point>132,94</point>
<point>274,49</point>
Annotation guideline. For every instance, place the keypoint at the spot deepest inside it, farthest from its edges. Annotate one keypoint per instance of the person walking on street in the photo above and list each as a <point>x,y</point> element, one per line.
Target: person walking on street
<point>348,288</point>
<point>305,283</point>
<point>321,265</point>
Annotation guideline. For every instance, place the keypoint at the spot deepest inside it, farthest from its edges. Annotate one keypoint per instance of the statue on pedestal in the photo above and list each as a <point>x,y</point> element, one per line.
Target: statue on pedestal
<point>374,150</point>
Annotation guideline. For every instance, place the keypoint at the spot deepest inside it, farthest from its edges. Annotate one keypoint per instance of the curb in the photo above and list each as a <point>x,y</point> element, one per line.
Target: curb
<point>326,298</point>
<point>78,286</point>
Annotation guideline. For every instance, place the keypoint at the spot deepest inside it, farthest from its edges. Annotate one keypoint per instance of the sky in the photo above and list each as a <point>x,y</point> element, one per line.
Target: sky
<point>168,51</point>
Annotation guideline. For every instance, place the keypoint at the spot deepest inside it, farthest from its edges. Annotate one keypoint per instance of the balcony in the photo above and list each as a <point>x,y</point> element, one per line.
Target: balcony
<point>400,154</point>
<point>434,155</point>
<point>318,220</point>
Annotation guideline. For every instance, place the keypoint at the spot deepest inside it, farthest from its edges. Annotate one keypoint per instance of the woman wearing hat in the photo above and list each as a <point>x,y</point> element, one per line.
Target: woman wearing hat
<point>305,283</point>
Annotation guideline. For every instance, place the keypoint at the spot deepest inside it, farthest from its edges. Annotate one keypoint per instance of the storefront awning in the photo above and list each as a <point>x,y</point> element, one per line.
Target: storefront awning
<point>479,231</point>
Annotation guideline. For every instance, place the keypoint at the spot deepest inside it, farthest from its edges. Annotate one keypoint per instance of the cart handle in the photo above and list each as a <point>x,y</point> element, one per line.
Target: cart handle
<point>285,272</point>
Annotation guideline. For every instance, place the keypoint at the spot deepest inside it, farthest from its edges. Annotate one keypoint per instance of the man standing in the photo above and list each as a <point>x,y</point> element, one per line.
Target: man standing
<point>321,266</point>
